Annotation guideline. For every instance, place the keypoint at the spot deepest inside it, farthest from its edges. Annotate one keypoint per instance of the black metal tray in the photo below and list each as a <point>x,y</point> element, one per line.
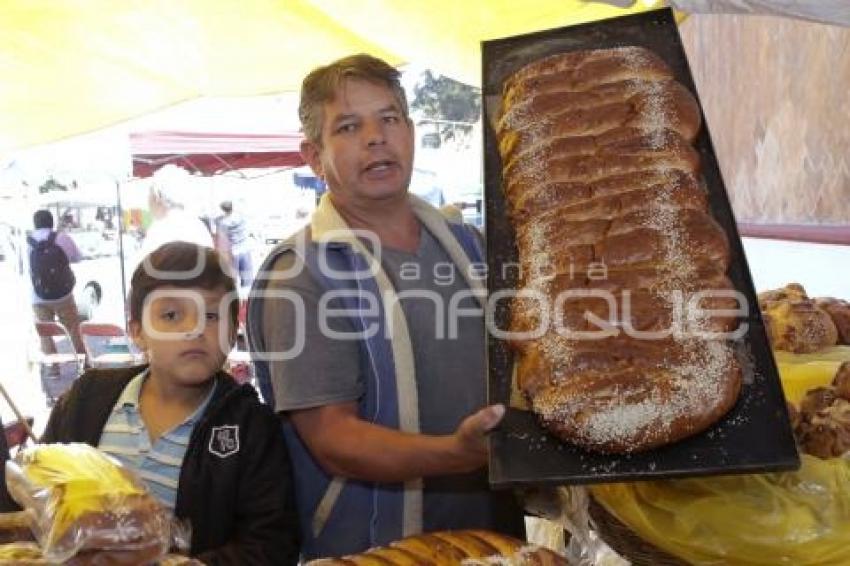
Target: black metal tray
<point>755,436</point>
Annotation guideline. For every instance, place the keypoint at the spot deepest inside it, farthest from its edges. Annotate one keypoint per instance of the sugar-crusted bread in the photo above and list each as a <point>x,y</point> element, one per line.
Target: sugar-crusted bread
<point>599,172</point>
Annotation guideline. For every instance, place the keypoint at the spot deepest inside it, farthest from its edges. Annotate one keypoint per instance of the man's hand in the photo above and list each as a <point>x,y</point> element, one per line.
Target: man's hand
<point>471,435</point>
<point>344,445</point>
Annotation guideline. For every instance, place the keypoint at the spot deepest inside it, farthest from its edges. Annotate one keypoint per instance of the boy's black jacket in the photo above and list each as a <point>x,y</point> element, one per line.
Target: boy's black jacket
<point>241,506</point>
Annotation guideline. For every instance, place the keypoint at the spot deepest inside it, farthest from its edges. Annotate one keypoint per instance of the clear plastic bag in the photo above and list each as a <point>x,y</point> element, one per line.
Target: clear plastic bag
<point>83,501</point>
<point>565,509</point>
<point>800,518</point>
<point>21,554</point>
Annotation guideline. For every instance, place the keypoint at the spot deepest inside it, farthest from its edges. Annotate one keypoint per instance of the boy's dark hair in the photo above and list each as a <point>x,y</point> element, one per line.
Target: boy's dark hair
<point>180,257</point>
<point>226,207</point>
<point>42,219</point>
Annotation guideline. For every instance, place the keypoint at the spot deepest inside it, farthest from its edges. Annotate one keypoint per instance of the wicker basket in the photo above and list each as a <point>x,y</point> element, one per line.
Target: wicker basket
<point>628,544</point>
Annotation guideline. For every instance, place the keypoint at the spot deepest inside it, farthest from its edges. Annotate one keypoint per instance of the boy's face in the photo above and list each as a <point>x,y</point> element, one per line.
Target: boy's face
<point>182,331</point>
<point>366,152</point>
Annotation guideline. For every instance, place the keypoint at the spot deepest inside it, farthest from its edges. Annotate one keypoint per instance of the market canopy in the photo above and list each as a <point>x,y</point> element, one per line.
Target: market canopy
<point>73,66</point>
<point>209,153</point>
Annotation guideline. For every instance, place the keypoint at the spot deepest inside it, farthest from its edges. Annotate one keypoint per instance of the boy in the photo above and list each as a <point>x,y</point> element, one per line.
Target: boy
<point>205,446</point>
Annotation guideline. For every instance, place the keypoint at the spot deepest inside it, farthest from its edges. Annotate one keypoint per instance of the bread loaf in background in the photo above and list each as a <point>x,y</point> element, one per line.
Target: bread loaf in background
<point>598,168</point>
<point>839,311</point>
<point>796,323</point>
<point>822,421</point>
<point>451,548</point>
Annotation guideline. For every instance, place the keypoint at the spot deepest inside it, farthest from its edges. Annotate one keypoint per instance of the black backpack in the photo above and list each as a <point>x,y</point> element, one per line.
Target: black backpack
<point>50,270</point>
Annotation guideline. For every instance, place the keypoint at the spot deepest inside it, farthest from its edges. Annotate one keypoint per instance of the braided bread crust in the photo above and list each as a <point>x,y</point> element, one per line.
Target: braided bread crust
<point>599,169</point>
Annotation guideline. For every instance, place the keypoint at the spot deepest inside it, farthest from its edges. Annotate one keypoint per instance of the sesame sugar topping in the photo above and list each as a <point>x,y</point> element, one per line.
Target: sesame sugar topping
<point>677,257</point>
<point>693,384</point>
<point>655,114</point>
<point>663,387</point>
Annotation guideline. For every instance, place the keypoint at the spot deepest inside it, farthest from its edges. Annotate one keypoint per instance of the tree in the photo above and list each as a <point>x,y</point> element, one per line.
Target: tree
<point>51,184</point>
<point>442,98</point>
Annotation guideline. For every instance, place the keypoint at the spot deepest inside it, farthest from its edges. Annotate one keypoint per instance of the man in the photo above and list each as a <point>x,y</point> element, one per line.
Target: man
<point>50,253</point>
<point>383,409</point>
<point>233,243</point>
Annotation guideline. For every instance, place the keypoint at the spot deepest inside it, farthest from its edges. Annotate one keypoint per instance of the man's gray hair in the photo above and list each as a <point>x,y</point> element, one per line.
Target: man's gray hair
<point>169,185</point>
<point>321,85</point>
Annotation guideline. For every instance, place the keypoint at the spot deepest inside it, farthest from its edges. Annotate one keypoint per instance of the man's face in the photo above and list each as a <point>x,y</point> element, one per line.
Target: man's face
<point>180,333</point>
<point>366,154</point>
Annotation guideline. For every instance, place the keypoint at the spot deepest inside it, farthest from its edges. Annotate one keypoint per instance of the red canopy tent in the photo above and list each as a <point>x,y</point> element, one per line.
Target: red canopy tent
<point>209,153</point>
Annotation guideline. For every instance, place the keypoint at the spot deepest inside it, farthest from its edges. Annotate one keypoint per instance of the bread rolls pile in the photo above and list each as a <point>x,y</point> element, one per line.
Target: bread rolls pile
<point>839,311</point>
<point>822,422</point>
<point>616,251</point>
<point>796,323</point>
<point>452,548</point>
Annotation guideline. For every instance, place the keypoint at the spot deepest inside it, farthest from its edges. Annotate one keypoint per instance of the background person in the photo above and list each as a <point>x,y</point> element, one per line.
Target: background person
<point>233,243</point>
<point>52,296</point>
<point>171,222</point>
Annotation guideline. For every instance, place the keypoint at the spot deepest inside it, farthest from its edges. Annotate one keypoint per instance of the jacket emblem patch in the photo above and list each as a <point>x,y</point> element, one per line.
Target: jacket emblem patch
<point>224,440</point>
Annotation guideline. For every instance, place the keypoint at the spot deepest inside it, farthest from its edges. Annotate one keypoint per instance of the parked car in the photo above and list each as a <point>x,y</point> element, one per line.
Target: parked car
<point>99,291</point>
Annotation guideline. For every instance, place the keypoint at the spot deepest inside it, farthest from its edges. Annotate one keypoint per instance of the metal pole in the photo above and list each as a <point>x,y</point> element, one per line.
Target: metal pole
<point>121,251</point>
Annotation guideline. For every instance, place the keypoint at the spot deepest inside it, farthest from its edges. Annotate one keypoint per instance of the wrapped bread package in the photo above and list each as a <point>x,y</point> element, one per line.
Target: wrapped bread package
<point>15,527</point>
<point>83,501</point>
<point>453,548</point>
<point>21,554</point>
<point>600,176</point>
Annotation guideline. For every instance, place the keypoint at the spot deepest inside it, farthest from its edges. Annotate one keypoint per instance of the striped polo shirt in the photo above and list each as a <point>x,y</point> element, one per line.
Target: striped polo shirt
<point>126,438</point>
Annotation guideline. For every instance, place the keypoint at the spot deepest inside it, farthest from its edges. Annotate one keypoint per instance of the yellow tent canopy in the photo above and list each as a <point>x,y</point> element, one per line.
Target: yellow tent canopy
<point>72,66</point>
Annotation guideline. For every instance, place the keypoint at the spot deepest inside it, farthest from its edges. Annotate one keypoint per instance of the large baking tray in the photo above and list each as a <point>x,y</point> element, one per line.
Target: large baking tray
<point>755,436</point>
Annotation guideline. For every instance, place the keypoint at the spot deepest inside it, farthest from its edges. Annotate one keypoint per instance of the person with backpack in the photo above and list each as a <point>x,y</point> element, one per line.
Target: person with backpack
<point>50,256</point>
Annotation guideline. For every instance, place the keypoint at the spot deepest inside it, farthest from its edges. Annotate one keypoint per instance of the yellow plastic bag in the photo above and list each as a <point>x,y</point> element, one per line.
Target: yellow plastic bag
<point>801,372</point>
<point>82,500</point>
<point>800,518</point>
